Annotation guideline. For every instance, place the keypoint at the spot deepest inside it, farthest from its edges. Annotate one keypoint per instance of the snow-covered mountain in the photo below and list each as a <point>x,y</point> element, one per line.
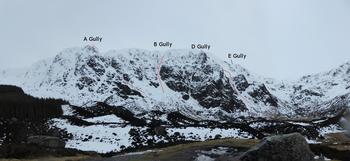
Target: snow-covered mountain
<point>191,82</point>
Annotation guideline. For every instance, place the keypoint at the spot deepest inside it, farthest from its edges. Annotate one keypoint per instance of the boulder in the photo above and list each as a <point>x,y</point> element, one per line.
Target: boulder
<point>46,141</point>
<point>160,130</point>
<point>287,147</point>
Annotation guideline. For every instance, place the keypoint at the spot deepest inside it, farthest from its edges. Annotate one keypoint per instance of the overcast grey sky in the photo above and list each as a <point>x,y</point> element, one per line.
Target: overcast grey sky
<point>284,39</point>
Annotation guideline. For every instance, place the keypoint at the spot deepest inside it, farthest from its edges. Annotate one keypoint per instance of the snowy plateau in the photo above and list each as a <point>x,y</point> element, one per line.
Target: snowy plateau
<point>130,98</point>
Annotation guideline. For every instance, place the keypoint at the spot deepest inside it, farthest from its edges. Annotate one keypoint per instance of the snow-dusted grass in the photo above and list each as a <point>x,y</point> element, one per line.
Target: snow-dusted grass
<point>202,157</point>
<point>330,129</point>
<point>107,138</point>
<point>105,119</point>
<point>201,133</point>
<point>99,138</point>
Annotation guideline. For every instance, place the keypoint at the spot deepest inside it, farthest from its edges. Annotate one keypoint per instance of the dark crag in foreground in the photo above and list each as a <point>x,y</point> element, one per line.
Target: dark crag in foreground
<point>14,103</point>
<point>24,122</point>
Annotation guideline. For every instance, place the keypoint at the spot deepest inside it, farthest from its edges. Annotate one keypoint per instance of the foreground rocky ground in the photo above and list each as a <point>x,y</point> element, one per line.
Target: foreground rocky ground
<point>288,147</point>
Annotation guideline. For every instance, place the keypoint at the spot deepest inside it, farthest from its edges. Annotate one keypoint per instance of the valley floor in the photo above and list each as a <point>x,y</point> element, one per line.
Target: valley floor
<point>335,146</point>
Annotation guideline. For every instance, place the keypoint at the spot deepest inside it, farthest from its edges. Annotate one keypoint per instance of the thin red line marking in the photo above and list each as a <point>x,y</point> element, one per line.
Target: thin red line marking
<point>234,87</point>
<point>158,73</point>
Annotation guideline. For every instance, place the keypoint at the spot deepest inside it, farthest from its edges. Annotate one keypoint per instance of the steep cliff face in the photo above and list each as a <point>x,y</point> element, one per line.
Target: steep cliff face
<point>202,79</point>
<point>188,81</point>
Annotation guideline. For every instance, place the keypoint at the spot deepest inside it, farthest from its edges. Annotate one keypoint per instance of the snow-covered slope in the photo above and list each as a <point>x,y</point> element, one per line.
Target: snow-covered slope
<point>192,82</point>
<point>318,92</point>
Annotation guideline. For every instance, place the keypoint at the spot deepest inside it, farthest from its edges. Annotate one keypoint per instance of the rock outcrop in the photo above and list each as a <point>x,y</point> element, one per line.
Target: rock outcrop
<point>288,147</point>
<point>46,141</point>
